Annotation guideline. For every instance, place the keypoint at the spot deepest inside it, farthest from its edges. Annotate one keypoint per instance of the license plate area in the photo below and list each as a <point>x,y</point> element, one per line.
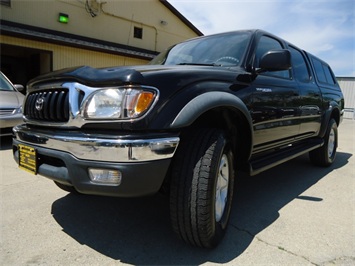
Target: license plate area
<point>27,158</point>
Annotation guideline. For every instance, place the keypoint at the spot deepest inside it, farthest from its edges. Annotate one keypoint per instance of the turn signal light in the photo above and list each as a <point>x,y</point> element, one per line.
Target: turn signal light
<point>143,102</point>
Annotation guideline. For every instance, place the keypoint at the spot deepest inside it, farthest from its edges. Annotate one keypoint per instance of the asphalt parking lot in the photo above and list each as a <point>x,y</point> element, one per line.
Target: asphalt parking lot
<point>294,214</point>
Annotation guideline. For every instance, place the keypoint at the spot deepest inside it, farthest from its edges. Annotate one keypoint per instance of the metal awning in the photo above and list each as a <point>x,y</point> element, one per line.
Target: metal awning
<point>24,31</point>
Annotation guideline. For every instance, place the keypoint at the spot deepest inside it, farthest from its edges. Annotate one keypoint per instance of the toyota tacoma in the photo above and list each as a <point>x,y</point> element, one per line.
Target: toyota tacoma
<point>187,122</point>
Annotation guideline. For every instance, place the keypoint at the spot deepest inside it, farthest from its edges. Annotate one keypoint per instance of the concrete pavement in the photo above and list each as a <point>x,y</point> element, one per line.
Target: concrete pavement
<point>294,214</point>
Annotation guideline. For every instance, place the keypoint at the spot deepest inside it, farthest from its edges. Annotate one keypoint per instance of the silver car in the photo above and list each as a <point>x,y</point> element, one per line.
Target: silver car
<point>10,105</point>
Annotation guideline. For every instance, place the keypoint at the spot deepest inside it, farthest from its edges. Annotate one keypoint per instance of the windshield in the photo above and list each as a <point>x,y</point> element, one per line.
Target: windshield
<point>5,84</point>
<point>220,50</point>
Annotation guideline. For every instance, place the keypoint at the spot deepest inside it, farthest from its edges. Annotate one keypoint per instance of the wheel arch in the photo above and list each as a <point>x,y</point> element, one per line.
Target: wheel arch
<point>220,110</point>
<point>332,112</point>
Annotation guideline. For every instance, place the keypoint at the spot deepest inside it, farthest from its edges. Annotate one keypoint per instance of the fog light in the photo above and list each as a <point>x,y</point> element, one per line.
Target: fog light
<point>105,176</point>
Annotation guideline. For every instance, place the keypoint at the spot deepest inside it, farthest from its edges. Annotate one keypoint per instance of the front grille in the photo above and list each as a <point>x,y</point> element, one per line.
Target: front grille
<point>48,105</point>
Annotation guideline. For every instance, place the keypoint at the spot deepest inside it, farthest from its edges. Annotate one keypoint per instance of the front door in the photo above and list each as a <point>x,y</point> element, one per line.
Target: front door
<point>274,102</point>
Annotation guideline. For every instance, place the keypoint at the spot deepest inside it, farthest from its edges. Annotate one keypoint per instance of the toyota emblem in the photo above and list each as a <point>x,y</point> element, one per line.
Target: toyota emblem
<point>39,104</point>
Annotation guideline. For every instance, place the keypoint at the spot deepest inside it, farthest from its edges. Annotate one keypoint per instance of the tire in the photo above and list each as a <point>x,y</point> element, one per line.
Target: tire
<point>325,155</point>
<point>66,187</point>
<point>201,191</point>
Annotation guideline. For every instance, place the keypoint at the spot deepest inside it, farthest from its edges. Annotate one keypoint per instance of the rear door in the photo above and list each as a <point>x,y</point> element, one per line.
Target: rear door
<point>310,99</point>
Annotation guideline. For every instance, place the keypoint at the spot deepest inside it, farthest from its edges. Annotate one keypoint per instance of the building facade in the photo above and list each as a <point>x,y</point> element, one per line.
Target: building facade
<point>347,85</point>
<point>42,36</point>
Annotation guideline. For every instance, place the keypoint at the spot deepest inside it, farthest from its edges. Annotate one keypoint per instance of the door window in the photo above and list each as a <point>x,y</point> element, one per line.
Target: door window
<point>299,66</point>
<point>319,71</point>
<point>266,44</point>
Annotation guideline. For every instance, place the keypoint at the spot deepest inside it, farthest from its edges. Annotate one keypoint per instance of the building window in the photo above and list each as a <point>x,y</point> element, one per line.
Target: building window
<point>5,2</point>
<point>138,33</point>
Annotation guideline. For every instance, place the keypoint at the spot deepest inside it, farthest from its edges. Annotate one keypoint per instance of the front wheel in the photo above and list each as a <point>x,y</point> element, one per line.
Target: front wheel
<point>325,155</point>
<point>202,187</point>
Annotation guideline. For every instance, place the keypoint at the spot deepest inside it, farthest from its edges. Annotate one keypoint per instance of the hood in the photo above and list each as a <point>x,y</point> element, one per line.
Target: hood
<point>11,99</point>
<point>177,77</point>
<point>91,76</point>
<point>116,76</point>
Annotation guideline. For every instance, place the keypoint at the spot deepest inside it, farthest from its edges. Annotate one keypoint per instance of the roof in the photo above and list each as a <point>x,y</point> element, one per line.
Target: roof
<point>181,17</point>
<point>57,37</point>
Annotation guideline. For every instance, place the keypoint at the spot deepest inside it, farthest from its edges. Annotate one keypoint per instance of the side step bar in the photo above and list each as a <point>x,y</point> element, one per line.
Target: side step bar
<point>262,163</point>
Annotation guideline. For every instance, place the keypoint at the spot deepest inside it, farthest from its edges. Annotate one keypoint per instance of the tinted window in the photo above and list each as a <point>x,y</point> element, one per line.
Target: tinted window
<point>318,66</point>
<point>222,49</point>
<point>266,44</point>
<point>299,66</point>
<point>323,72</point>
<point>328,74</point>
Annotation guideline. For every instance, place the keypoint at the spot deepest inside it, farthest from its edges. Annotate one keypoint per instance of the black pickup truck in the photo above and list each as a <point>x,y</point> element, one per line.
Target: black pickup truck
<point>187,122</point>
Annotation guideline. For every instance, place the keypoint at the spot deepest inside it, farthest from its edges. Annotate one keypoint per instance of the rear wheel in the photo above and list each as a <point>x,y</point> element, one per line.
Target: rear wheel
<point>325,155</point>
<point>202,187</point>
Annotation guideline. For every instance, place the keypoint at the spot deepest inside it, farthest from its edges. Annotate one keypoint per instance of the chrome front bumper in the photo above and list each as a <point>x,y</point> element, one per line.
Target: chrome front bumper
<point>98,147</point>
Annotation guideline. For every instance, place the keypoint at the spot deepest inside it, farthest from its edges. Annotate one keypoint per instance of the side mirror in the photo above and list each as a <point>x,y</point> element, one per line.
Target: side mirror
<point>275,60</point>
<point>19,87</point>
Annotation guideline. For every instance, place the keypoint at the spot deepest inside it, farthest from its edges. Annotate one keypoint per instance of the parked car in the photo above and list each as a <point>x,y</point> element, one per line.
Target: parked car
<point>200,112</point>
<point>11,100</point>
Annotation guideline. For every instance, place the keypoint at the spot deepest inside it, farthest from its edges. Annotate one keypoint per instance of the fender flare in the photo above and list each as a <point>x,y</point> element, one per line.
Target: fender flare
<point>327,116</point>
<point>205,102</point>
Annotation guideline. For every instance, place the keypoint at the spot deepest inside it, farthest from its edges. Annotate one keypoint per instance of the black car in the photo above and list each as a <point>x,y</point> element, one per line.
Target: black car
<point>187,122</point>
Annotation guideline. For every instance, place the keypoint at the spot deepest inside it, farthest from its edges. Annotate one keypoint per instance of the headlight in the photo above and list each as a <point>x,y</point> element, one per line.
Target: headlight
<point>118,103</point>
<point>105,104</point>
<point>17,110</point>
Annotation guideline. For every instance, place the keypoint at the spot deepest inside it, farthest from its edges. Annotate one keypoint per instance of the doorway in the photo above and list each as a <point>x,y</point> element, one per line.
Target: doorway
<point>21,64</point>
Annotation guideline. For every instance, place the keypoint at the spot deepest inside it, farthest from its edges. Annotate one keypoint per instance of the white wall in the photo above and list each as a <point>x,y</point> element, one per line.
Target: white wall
<point>347,85</point>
